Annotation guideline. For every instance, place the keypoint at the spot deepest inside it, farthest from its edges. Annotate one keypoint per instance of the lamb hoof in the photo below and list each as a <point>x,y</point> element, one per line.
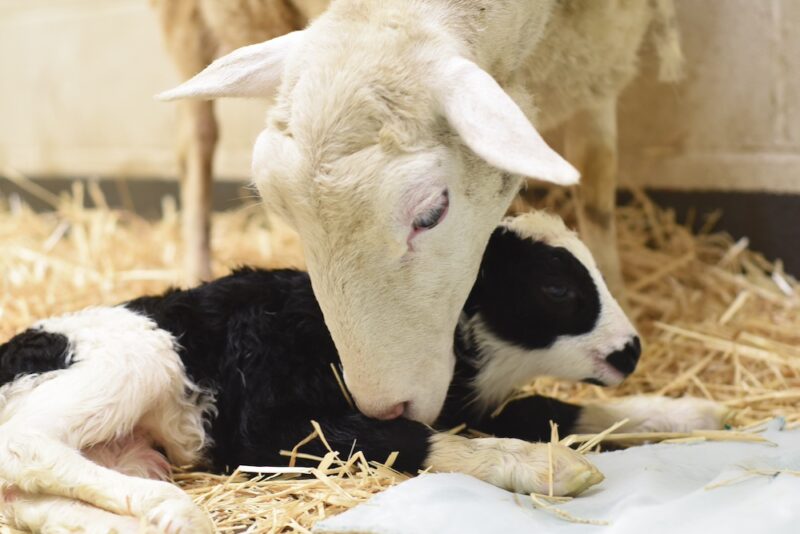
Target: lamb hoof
<point>177,514</point>
<point>526,468</point>
<point>572,472</point>
<point>514,464</point>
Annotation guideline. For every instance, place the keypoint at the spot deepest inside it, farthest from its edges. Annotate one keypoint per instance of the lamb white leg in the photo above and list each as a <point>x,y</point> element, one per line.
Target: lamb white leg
<point>118,379</point>
<point>56,515</point>
<point>131,455</point>
<point>653,414</point>
<point>514,464</point>
<point>39,464</point>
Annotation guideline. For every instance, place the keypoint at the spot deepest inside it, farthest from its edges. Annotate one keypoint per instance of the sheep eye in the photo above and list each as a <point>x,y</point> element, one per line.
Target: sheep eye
<point>433,216</point>
<point>558,292</point>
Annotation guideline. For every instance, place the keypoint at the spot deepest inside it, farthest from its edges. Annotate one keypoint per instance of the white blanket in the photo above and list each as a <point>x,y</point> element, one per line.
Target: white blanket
<point>651,489</point>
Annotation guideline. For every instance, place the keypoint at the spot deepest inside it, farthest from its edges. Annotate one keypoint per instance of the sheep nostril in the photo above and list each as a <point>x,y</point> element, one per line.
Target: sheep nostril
<point>625,360</point>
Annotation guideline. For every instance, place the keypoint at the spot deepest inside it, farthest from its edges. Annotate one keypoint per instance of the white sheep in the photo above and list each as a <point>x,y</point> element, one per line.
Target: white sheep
<point>400,134</point>
<point>196,31</point>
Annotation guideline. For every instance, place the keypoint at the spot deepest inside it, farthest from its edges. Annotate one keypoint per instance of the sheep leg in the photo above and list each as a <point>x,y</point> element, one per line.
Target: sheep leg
<point>45,513</point>
<point>131,379</point>
<point>591,145</point>
<point>529,418</point>
<point>198,142</point>
<point>651,413</point>
<point>192,46</point>
<point>514,464</point>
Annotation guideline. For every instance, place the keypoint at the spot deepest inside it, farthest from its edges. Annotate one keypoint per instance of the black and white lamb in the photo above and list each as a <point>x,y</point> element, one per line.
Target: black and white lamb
<point>95,404</point>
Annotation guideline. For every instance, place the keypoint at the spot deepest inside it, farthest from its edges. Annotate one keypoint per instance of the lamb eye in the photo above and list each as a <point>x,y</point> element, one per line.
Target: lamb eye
<point>433,216</point>
<point>558,292</point>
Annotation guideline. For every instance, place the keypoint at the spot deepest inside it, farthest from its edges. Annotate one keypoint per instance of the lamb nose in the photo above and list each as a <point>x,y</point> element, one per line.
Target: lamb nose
<point>625,360</point>
<point>394,412</point>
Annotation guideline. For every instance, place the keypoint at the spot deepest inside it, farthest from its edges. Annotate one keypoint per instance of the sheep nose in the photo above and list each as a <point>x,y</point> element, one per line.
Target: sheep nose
<point>393,413</point>
<point>625,360</point>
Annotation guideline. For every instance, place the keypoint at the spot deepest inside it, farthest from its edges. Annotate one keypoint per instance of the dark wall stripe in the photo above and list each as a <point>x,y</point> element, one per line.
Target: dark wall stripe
<point>771,221</point>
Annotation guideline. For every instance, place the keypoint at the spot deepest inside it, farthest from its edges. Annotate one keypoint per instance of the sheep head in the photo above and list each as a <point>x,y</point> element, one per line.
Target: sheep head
<point>394,156</point>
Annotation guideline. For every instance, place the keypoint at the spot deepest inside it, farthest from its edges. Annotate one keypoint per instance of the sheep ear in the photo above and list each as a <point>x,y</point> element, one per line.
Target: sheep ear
<point>251,71</point>
<point>492,125</point>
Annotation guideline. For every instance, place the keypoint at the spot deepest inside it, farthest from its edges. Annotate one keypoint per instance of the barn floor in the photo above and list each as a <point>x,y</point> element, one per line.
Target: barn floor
<point>718,320</point>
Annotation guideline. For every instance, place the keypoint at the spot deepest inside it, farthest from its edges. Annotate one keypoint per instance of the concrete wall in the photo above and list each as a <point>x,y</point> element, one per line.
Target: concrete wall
<point>77,77</point>
<point>734,123</point>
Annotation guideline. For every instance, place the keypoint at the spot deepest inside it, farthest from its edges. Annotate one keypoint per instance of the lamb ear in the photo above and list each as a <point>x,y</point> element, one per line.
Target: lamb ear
<point>251,71</point>
<point>492,125</point>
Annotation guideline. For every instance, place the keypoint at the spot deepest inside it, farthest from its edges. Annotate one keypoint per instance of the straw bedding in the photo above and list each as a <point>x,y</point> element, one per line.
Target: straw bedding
<point>719,321</point>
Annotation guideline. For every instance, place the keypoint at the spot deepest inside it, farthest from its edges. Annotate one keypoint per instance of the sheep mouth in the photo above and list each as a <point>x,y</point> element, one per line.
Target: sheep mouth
<point>594,381</point>
<point>606,374</point>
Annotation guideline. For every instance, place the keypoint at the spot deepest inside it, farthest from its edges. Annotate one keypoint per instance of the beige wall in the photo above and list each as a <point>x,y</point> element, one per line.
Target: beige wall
<point>735,121</point>
<point>77,77</point>
<point>79,99</point>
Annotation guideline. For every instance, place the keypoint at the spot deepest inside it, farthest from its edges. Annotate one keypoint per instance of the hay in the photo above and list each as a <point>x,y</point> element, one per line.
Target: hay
<point>278,503</point>
<point>75,257</point>
<point>719,321</point>
<point>545,502</point>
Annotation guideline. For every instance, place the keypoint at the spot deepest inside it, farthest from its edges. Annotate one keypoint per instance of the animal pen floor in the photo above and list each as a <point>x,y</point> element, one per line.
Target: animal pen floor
<point>718,320</point>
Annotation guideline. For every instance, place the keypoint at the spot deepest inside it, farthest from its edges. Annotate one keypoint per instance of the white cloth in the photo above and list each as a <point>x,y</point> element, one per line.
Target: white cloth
<point>651,489</point>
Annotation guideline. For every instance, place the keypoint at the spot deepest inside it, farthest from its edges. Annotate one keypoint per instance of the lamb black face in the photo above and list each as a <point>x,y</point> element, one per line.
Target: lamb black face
<point>531,293</point>
<point>543,307</point>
